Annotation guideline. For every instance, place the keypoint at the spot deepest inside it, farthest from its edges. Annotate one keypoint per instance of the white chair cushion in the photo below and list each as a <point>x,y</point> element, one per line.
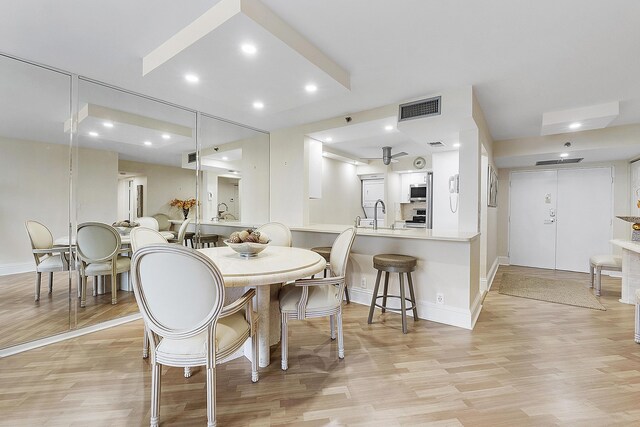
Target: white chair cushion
<point>613,261</point>
<point>50,263</point>
<point>637,296</point>
<point>320,298</point>
<point>97,269</point>
<point>229,330</point>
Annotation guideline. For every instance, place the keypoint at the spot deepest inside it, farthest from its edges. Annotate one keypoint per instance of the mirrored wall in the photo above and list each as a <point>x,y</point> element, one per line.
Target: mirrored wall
<point>77,151</point>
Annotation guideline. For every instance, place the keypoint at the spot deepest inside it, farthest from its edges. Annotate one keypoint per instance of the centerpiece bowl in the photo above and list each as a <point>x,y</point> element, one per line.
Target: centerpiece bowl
<point>247,249</point>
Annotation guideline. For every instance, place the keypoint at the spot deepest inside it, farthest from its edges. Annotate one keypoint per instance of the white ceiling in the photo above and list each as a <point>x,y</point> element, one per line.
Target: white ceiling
<point>523,58</point>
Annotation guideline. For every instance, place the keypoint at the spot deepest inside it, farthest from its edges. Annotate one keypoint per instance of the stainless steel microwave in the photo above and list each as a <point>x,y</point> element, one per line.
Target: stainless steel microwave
<point>418,192</point>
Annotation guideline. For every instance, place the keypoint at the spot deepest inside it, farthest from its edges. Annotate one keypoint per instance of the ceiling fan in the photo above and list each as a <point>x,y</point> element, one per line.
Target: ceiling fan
<point>387,157</point>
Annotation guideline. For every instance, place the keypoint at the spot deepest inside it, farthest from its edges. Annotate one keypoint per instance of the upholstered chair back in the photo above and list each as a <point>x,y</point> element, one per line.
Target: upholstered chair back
<point>163,222</point>
<point>183,230</point>
<point>340,252</point>
<point>142,236</point>
<point>39,236</point>
<point>179,291</point>
<point>279,234</point>
<point>97,242</point>
<point>148,222</point>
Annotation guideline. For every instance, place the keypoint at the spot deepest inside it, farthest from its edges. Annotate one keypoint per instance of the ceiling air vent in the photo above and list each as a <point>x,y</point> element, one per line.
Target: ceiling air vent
<point>191,157</point>
<point>558,162</point>
<point>436,144</point>
<point>419,109</point>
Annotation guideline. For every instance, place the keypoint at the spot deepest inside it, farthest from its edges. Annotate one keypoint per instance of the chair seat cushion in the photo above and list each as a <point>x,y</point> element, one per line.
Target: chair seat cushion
<point>50,263</point>
<point>230,329</point>
<point>611,261</point>
<point>320,298</point>
<point>99,268</point>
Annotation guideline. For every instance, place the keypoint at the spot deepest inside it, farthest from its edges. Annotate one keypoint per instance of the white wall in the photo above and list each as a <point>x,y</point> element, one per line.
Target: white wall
<point>445,164</point>
<point>340,202</point>
<point>634,174</point>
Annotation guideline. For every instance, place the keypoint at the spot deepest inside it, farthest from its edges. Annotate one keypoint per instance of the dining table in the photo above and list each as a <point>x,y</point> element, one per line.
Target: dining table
<point>273,266</point>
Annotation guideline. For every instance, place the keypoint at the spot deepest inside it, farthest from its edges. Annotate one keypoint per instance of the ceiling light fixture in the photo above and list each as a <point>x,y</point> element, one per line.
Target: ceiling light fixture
<point>94,134</point>
<point>388,127</point>
<point>456,145</point>
<point>563,155</point>
<point>249,49</point>
<point>108,124</point>
<point>328,139</point>
<point>311,88</point>
<point>258,105</point>
<point>166,136</point>
<point>575,125</point>
<point>191,78</point>
<point>148,143</point>
<point>225,158</point>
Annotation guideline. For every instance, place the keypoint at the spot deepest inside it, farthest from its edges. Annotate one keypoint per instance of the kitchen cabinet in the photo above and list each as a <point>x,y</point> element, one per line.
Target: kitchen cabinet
<point>406,180</point>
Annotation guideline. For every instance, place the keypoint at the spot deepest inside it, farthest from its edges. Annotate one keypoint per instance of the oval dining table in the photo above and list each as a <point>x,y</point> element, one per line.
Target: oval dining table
<point>273,266</point>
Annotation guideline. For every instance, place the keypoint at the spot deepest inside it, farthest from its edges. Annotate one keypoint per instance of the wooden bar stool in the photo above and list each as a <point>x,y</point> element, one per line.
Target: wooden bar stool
<point>392,263</point>
<point>325,252</point>
<point>208,239</point>
<point>188,239</point>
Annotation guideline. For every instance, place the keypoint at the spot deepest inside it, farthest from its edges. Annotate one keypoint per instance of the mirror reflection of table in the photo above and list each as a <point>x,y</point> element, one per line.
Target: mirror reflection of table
<point>274,265</point>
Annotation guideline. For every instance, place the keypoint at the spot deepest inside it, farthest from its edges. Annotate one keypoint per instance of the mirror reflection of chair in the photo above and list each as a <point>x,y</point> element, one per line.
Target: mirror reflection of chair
<point>187,332</point>
<point>308,298</point>
<point>148,222</point>
<point>279,234</point>
<point>98,246</point>
<point>163,222</point>
<point>48,258</point>
<point>181,232</point>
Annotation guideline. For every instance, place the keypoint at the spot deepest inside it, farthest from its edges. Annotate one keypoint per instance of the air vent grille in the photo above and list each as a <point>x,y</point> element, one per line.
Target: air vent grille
<point>436,144</point>
<point>418,109</point>
<point>191,157</point>
<point>558,162</point>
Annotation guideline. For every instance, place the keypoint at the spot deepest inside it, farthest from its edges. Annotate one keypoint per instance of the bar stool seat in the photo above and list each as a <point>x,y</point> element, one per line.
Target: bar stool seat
<point>325,252</point>
<point>394,263</point>
<point>208,239</point>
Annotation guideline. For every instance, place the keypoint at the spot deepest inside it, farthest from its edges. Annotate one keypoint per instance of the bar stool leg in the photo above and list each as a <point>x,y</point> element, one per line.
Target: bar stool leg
<point>413,298</point>
<point>373,298</point>
<point>403,306</point>
<point>386,291</point>
<point>346,293</point>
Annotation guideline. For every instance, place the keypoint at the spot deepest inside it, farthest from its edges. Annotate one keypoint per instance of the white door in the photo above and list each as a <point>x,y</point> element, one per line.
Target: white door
<point>585,212</point>
<point>532,225</point>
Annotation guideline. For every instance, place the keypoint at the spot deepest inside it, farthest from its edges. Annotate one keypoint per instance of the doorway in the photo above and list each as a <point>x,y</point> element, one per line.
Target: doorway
<point>559,218</point>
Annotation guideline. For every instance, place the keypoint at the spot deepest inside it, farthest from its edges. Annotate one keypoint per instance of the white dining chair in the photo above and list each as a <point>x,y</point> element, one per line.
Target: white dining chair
<point>307,298</point>
<point>98,247</point>
<point>187,332</point>
<point>181,232</point>
<point>48,258</point>
<point>279,234</point>
<point>148,222</point>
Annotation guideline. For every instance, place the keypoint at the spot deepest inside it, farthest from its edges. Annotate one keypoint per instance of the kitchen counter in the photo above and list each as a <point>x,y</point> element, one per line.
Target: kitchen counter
<point>630,269</point>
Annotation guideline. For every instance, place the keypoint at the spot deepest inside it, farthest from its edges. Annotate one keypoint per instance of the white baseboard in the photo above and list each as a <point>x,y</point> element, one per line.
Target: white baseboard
<point>440,313</point>
<point>492,274</point>
<point>10,351</point>
<point>503,260</point>
<point>22,267</point>
<point>476,307</point>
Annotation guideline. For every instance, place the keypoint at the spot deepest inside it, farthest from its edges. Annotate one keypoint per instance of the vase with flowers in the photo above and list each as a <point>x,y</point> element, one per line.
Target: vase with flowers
<point>185,205</point>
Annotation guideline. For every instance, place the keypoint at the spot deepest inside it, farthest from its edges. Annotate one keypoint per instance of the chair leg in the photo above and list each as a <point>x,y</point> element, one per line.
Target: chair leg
<point>386,291</point>
<point>591,274</point>
<point>83,289</point>
<point>187,371</point>
<point>95,285</point>
<point>145,344</point>
<point>211,396</point>
<point>373,298</point>
<point>254,353</point>
<point>598,281</point>
<point>413,297</point>
<point>332,325</point>
<point>340,336</point>
<point>403,304</point>
<point>114,288</point>
<point>51,282</point>
<point>38,282</point>
<point>346,294</point>
<point>156,376</point>
<point>637,334</point>
<point>283,343</point>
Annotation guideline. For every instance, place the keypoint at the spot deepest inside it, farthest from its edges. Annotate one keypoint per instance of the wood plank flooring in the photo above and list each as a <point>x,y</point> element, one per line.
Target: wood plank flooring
<point>527,363</point>
<point>22,319</point>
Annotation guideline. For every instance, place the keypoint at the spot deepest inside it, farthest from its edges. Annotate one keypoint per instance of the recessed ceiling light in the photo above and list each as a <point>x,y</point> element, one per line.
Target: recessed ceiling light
<point>564,155</point>
<point>148,143</point>
<point>225,158</point>
<point>249,49</point>
<point>311,88</point>
<point>575,125</point>
<point>456,145</point>
<point>388,127</point>
<point>328,139</point>
<point>258,105</point>
<point>108,124</point>
<point>191,78</point>
<point>94,134</point>
<point>234,172</point>
<point>166,136</point>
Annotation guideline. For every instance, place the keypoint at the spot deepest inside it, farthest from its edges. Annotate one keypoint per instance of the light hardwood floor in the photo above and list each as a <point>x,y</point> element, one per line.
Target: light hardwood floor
<point>22,319</point>
<point>526,363</point>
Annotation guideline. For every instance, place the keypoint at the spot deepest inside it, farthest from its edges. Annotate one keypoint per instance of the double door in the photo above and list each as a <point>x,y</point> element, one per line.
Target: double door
<point>559,218</point>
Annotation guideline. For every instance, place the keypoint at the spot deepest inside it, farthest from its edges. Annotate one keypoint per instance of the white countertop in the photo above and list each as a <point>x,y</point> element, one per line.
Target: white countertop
<point>627,244</point>
<point>407,233</point>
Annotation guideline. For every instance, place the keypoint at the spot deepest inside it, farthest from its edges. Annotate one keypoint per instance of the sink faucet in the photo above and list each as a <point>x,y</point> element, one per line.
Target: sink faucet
<point>358,220</point>
<point>220,212</point>
<point>375,213</point>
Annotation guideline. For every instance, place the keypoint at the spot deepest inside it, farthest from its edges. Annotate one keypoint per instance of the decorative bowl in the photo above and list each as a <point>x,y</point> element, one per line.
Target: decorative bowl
<point>247,249</point>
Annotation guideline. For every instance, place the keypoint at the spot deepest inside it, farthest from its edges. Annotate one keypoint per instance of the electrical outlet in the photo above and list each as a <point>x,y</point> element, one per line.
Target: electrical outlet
<point>439,298</point>
<point>363,283</point>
